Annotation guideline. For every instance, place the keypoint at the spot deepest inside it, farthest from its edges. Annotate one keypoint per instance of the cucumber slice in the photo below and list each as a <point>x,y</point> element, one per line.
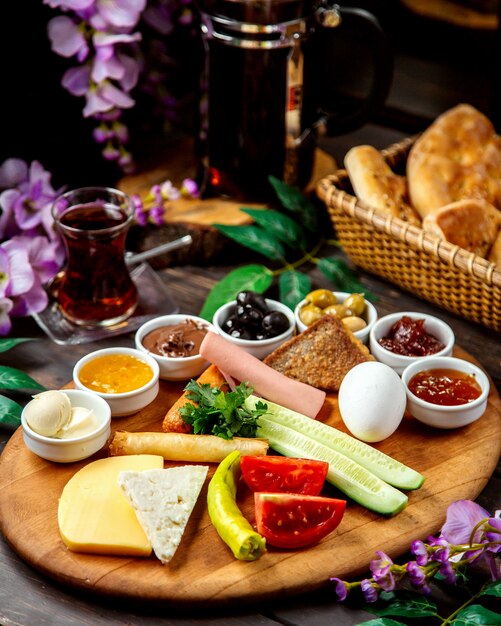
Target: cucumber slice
<point>380,464</point>
<point>347,475</point>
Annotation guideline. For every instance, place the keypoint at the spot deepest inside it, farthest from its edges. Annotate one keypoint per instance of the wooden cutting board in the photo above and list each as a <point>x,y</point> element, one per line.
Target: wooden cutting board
<point>457,464</point>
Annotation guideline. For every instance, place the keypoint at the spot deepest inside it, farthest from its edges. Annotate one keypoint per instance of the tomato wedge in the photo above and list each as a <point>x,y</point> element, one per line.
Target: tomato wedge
<point>284,474</point>
<point>288,520</point>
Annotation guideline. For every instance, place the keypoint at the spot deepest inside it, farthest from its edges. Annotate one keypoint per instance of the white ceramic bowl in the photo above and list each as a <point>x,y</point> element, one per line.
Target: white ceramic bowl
<point>127,402</point>
<point>433,325</point>
<point>75,448</point>
<point>446,416</point>
<point>362,334</point>
<point>173,368</point>
<point>259,348</point>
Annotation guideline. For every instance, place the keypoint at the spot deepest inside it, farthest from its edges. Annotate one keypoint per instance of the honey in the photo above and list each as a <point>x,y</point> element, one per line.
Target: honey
<point>115,373</point>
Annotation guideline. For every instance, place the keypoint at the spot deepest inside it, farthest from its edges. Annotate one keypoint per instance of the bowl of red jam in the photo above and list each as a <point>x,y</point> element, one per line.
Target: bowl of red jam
<point>399,339</point>
<point>445,392</point>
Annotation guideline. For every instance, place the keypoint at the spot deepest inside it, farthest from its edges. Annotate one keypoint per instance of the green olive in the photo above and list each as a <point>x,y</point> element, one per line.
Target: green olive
<point>321,298</point>
<point>338,310</point>
<point>356,303</point>
<point>354,323</point>
<point>310,313</point>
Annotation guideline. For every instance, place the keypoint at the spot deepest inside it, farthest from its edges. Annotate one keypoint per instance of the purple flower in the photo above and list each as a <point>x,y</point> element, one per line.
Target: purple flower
<point>74,5</point>
<point>369,589</point>
<point>190,188</point>
<point>442,549</point>
<point>416,574</point>
<point>420,551</point>
<point>341,588</point>
<point>381,571</point>
<point>168,191</point>
<point>117,13</point>
<point>4,272</point>
<point>448,572</point>
<point>12,173</point>
<point>105,97</point>
<point>5,323</point>
<point>462,517</point>
<point>66,38</point>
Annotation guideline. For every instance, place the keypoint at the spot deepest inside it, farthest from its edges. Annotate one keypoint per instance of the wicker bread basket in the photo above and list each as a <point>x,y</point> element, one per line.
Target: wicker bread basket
<point>429,267</point>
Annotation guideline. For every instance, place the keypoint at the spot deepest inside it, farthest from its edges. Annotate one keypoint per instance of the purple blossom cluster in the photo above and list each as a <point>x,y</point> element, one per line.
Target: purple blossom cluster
<point>152,209</point>
<point>31,252</point>
<point>470,534</point>
<point>103,37</point>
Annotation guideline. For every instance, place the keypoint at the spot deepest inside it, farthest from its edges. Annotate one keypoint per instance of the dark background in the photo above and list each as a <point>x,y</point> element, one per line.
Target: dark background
<point>437,65</point>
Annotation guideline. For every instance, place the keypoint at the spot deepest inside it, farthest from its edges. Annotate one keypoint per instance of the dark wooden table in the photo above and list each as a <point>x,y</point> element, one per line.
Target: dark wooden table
<point>28,599</point>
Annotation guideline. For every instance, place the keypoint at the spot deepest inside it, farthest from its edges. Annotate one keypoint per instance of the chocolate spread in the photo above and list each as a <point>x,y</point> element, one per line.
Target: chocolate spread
<point>181,340</point>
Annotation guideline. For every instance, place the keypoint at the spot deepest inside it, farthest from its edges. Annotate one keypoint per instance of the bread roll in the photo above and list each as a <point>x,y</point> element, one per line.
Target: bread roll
<point>470,224</point>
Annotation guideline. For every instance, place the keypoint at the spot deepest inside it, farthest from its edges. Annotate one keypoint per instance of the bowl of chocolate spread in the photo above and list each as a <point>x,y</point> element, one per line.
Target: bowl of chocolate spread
<point>174,342</point>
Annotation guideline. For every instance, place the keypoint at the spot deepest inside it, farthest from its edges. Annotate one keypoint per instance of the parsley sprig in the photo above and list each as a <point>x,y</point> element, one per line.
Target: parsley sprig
<point>219,413</point>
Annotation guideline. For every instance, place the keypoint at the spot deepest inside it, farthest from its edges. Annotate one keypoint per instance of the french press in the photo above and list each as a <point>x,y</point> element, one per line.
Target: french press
<point>262,104</point>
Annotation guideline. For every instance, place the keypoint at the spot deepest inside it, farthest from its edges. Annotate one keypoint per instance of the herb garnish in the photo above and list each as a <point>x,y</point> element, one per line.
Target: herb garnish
<point>219,413</point>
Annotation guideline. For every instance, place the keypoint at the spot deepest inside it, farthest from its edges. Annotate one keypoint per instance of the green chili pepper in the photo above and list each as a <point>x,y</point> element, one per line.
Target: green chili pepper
<point>245,543</point>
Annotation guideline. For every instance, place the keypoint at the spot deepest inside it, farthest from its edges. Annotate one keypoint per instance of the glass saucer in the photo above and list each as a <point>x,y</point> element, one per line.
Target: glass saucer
<point>154,300</point>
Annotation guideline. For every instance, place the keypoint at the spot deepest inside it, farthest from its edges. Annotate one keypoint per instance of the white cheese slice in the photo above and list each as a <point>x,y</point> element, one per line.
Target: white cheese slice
<point>163,500</point>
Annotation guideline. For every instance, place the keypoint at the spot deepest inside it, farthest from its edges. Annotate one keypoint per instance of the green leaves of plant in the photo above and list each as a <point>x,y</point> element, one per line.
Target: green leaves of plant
<point>251,277</point>
<point>279,225</point>
<point>12,378</point>
<point>10,412</point>
<point>256,239</point>
<point>7,344</point>
<point>342,276</point>
<point>293,287</point>
<point>407,605</point>
<point>476,615</point>
<point>382,621</point>
<point>296,202</point>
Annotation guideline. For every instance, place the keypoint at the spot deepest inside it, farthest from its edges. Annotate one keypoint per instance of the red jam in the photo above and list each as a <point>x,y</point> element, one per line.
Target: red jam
<point>409,338</point>
<point>445,387</point>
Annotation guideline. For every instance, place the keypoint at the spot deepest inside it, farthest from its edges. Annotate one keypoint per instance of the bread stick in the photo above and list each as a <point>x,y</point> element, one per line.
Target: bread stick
<point>184,447</point>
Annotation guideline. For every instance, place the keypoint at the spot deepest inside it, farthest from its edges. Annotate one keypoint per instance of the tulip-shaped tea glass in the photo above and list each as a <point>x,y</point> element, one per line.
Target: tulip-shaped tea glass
<point>96,288</point>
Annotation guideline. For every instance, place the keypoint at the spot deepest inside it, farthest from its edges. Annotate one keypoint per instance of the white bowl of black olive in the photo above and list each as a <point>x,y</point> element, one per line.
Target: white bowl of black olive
<point>255,323</point>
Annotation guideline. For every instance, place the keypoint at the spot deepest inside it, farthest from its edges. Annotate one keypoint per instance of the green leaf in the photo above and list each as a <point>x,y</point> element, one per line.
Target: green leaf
<point>255,238</point>
<point>296,202</point>
<point>281,226</point>
<point>343,277</point>
<point>293,287</point>
<point>252,277</point>
<point>382,621</point>
<point>10,412</point>
<point>12,378</point>
<point>476,615</point>
<point>407,605</point>
<point>492,589</point>
<point>7,344</point>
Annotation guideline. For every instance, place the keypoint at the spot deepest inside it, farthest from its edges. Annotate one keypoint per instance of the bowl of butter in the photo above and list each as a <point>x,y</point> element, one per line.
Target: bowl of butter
<point>66,426</point>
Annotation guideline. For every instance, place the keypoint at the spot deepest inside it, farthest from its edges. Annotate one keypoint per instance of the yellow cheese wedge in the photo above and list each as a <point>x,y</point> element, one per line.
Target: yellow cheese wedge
<point>94,515</point>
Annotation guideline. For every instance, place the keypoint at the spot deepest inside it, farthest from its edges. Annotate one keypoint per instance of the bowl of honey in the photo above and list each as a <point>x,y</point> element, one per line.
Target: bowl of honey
<point>125,377</point>
<point>445,392</point>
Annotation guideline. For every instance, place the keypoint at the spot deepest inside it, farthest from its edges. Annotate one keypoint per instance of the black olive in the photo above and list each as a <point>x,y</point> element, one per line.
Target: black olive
<point>254,299</point>
<point>275,323</point>
<point>241,333</point>
<point>248,315</point>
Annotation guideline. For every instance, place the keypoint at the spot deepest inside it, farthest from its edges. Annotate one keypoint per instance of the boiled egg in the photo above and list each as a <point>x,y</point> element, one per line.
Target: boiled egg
<point>372,401</point>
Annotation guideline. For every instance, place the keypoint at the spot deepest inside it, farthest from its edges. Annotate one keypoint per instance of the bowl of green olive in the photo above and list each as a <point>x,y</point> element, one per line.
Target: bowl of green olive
<point>354,310</point>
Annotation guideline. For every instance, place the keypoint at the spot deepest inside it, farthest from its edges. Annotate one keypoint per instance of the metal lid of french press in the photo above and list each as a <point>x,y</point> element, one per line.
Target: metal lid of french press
<point>259,11</point>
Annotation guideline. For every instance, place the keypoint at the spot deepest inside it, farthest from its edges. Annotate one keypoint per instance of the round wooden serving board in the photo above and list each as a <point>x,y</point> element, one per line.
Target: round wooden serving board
<point>457,464</point>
